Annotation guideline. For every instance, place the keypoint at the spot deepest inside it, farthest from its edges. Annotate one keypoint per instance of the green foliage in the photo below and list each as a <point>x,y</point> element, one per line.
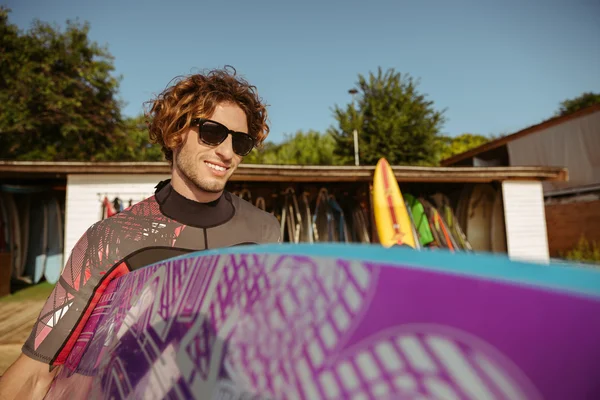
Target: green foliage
<point>582,101</point>
<point>451,146</point>
<point>57,93</point>
<point>303,148</point>
<point>132,143</point>
<point>393,120</point>
<point>585,251</point>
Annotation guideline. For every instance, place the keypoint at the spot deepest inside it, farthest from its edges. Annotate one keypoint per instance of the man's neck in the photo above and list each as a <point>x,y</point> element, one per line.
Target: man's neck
<point>190,191</point>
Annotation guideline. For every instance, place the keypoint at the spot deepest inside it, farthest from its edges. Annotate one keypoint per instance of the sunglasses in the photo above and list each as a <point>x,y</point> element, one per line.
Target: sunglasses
<point>213,133</point>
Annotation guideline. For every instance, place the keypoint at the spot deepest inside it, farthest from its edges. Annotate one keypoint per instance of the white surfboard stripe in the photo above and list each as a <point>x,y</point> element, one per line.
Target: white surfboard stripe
<point>416,354</point>
<point>507,388</point>
<point>456,365</point>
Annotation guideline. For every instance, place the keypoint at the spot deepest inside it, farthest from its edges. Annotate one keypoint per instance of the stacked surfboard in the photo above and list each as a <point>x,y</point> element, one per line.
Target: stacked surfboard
<point>318,217</point>
<point>31,221</point>
<point>473,222</point>
<point>480,211</point>
<point>392,217</point>
<point>477,223</point>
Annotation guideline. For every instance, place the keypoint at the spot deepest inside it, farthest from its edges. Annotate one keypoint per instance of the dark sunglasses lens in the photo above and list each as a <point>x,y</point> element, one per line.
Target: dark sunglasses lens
<point>242,143</point>
<point>213,133</point>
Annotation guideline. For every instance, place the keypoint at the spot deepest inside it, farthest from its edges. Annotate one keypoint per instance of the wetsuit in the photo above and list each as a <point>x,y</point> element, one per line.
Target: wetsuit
<point>160,227</point>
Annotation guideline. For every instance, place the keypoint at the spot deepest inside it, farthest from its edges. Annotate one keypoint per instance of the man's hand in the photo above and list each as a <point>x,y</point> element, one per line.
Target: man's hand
<point>26,379</point>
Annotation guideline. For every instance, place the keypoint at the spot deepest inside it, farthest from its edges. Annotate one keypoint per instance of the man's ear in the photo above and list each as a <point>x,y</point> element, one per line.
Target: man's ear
<point>183,139</point>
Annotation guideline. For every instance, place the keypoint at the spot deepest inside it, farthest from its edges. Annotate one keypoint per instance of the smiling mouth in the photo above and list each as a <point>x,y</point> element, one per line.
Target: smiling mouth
<point>216,167</point>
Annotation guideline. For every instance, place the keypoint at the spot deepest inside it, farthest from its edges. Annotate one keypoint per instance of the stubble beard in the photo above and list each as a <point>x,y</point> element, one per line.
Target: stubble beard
<point>189,169</point>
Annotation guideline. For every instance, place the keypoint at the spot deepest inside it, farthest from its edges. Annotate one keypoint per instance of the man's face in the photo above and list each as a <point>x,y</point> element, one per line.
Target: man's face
<point>210,167</point>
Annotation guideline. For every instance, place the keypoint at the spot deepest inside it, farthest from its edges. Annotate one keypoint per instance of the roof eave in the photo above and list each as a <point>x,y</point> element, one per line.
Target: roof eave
<point>291,173</point>
<point>505,139</point>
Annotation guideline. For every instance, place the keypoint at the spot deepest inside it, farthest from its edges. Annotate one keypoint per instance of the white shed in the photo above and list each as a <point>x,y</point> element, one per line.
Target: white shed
<point>571,141</point>
<point>85,185</point>
<point>85,194</point>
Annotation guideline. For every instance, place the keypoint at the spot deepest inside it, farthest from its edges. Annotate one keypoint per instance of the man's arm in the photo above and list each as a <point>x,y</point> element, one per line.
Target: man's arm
<point>26,378</point>
<point>62,317</point>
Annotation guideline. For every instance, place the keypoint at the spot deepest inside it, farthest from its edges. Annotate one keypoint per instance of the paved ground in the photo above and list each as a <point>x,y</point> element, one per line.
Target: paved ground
<point>16,321</point>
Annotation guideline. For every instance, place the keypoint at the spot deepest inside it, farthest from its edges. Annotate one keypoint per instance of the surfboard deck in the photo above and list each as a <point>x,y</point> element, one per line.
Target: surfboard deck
<point>38,240</point>
<point>23,209</point>
<point>479,217</point>
<point>5,232</point>
<point>320,321</point>
<point>497,228</point>
<point>391,217</point>
<point>54,257</point>
<point>322,217</point>
<point>420,220</point>
<point>15,233</point>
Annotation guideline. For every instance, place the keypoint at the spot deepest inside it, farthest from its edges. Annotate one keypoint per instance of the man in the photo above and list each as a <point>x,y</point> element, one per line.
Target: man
<point>205,125</point>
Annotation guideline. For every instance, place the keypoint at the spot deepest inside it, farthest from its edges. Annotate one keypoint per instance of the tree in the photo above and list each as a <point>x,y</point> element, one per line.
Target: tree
<point>582,101</point>
<point>57,93</point>
<point>132,143</point>
<point>393,121</point>
<point>451,146</point>
<point>258,156</point>
<point>303,148</point>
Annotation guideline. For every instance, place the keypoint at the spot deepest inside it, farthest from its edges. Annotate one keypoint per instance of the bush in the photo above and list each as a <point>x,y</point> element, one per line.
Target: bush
<point>584,251</point>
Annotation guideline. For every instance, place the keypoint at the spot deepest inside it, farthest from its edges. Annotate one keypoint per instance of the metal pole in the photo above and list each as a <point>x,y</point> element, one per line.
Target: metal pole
<point>355,147</point>
<point>355,132</point>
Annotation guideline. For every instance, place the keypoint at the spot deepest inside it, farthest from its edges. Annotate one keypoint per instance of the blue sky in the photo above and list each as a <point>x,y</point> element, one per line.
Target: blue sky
<point>495,66</point>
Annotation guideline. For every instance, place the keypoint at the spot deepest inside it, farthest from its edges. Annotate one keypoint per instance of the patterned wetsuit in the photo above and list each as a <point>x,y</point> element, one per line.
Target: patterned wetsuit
<point>162,226</point>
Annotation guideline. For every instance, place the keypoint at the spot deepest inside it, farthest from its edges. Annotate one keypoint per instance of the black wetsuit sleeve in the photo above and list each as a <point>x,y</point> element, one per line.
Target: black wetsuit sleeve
<point>89,269</point>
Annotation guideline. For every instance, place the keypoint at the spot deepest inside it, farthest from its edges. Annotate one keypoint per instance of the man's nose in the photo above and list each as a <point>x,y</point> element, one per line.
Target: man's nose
<point>225,149</point>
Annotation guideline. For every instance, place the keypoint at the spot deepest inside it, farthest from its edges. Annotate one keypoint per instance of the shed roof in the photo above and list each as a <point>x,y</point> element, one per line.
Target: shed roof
<point>524,132</point>
<point>287,173</point>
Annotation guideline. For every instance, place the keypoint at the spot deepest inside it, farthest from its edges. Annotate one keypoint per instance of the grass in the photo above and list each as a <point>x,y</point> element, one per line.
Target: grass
<point>37,292</point>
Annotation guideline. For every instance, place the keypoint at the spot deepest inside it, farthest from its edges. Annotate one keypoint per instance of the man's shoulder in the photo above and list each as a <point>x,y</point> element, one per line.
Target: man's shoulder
<point>146,209</point>
<point>265,226</point>
<point>249,210</point>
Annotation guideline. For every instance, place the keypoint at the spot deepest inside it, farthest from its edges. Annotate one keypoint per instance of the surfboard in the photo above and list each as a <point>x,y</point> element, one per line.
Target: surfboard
<point>479,217</point>
<point>15,233</point>
<point>420,220</point>
<point>54,253</point>
<point>444,206</point>
<point>340,227</point>
<point>438,226</point>
<point>291,219</point>
<point>260,203</point>
<point>322,217</point>
<point>5,225</point>
<point>38,239</point>
<point>391,217</point>
<point>340,321</point>
<point>6,263</point>
<point>23,203</point>
<point>463,204</point>
<point>498,229</point>
<point>413,228</point>
<point>360,225</point>
<point>306,230</point>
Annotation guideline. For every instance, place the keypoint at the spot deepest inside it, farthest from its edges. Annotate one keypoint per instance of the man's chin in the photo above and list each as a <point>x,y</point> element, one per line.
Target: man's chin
<point>212,186</point>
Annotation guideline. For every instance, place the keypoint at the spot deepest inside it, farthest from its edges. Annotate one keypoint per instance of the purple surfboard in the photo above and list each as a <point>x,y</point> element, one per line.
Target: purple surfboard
<point>338,321</point>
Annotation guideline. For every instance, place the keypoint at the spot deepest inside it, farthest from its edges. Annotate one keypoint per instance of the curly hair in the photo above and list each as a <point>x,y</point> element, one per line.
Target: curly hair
<point>197,96</point>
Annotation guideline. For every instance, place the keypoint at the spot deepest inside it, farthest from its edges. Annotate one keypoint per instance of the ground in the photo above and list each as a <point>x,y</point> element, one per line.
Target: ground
<point>18,313</point>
